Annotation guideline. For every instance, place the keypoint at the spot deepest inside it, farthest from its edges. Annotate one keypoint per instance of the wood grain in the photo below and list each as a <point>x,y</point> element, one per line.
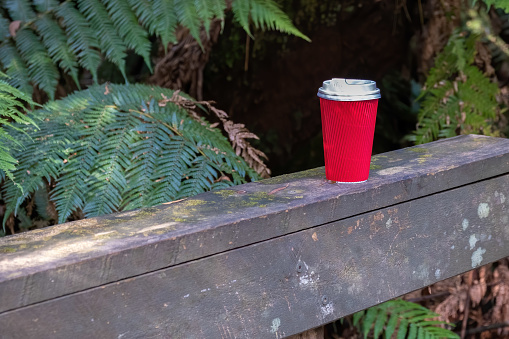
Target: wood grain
<point>292,283</point>
<point>57,261</point>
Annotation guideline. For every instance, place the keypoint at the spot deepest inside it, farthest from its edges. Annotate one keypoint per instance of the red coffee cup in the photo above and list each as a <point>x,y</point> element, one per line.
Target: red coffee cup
<point>348,109</point>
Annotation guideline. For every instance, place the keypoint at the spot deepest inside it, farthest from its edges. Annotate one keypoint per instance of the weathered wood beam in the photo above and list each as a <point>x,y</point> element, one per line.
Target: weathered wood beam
<point>266,259</point>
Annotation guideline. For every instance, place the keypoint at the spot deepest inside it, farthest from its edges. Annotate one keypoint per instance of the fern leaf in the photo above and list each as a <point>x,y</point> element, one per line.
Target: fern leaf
<point>11,109</point>
<point>69,193</point>
<point>391,326</point>
<point>45,5</point>
<point>188,16</point>
<point>80,37</point>
<point>241,10</point>
<point>4,29</point>
<point>267,14</point>
<point>407,319</point>
<point>20,10</point>
<point>129,29</point>
<point>109,182</point>
<point>402,329</point>
<point>412,333</point>
<point>146,148</point>
<point>369,319</point>
<point>55,41</point>
<point>207,10</point>
<point>114,149</point>
<point>41,69</point>
<point>380,323</point>
<point>109,41</point>
<point>42,203</point>
<point>15,67</point>
<point>166,21</point>
<point>218,8</point>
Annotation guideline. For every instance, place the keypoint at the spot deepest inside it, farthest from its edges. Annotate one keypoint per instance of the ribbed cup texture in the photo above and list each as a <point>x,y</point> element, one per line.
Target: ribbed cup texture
<point>348,129</point>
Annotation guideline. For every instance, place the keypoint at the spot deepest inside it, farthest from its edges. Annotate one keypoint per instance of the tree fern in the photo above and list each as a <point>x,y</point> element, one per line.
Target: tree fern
<point>68,34</point>
<point>457,97</point>
<point>402,318</point>
<point>118,147</point>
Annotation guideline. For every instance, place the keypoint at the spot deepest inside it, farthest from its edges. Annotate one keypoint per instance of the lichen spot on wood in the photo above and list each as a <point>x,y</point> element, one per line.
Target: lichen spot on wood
<point>418,150</point>
<point>224,193</point>
<point>388,224</point>
<point>483,210</point>
<point>472,241</point>
<point>194,202</point>
<point>477,257</point>
<point>392,170</point>
<point>464,224</point>
<point>500,196</point>
<point>275,325</point>
<point>327,309</point>
<point>7,250</point>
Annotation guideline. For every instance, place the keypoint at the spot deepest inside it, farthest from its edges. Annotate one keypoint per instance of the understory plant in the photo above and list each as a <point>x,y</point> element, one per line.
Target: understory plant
<point>44,43</point>
<point>403,319</point>
<point>114,147</point>
<point>118,147</point>
<point>457,97</point>
<point>12,117</point>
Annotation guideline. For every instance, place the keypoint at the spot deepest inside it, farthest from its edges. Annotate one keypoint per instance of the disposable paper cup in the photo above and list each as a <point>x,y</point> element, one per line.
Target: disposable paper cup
<point>348,108</point>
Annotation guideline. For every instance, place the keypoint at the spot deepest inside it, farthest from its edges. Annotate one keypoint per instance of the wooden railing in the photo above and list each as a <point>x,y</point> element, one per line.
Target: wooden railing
<point>263,260</point>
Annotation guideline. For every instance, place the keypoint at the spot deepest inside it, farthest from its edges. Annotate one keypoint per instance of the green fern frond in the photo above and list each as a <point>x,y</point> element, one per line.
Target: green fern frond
<point>45,5</point>
<point>403,318</point>
<point>165,23</point>
<point>81,37</point>
<point>267,14</point>
<point>69,34</point>
<point>55,41</point>
<point>15,68</point>
<point>41,68</point>
<point>110,42</point>
<point>4,29</point>
<point>20,10</point>
<point>502,4</point>
<point>126,22</point>
<point>11,110</point>
<point>188,16</point>
<point>457,97</point>
<point>114,149</point>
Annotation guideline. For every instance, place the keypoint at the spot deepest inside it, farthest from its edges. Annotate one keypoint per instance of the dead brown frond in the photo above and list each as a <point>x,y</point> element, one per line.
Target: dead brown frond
<point>501,294</point>
<point>237,133</point>
<point>455,303</point>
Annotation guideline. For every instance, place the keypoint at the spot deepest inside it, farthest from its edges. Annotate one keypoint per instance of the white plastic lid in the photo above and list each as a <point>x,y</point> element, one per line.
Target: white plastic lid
<point>340,89</point>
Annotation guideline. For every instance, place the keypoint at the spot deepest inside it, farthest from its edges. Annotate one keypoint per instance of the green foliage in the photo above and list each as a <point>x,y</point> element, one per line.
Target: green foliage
<point>457,97</point>
<point>119,147</point>
<point>11,119</point>
<point>403,318</point>
<point>502,4</point>
<point>67,34</point>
